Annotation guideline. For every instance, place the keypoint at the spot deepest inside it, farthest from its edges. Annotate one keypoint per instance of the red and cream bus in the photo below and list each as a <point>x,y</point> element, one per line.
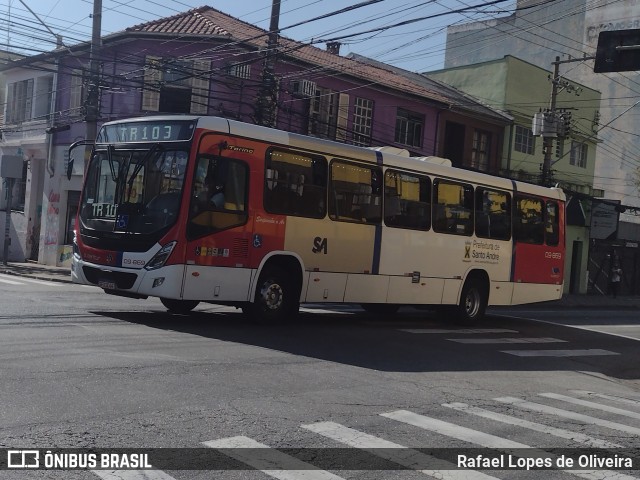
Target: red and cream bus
<point>205,209</point>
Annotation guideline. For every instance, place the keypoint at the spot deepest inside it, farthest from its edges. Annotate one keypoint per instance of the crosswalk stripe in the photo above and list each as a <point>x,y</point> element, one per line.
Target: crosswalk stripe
<point>390,451</point>
<point>273,463</point>
<point>594,405</point>
<point>451,430</point>
<point>538,427</point>
<point>489,341</point>
<point>133,475</point>
<point>461,331</point>
<point>608,397</point>
<point>559,353</point>
<point>538,407</point>
<point>490,441</point>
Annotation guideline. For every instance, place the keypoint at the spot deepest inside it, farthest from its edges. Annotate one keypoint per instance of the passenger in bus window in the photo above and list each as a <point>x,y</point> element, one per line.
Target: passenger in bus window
<point>214,192</point>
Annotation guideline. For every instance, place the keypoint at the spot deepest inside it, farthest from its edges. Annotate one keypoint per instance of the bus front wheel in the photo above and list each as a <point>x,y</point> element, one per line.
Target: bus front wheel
<point>473,302</point>
<point>275,299</point>
<point>179,306</point>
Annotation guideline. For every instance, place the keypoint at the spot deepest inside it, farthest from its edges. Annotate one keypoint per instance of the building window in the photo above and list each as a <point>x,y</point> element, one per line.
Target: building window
<point>578,154</point>
<point>409,128</point>
<point>362,115</point>
<point>19,101</point>
<point>77,94</point>
<point>480,150</point>
<point>176,86</point>
<point>323,114</point>
<point>240,70</point>
<point>524,141</point>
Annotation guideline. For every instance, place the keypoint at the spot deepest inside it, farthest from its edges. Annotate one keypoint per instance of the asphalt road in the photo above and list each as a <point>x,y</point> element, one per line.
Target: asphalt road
<point>82,369</point>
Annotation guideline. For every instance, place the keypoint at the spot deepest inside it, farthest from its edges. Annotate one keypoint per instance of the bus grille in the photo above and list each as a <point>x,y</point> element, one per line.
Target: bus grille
<point>121,280</point>
<point>240,248</point>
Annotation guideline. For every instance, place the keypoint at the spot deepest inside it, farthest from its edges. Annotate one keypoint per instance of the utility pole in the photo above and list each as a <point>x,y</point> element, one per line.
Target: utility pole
<point>93,92</point>
<point>551,124</point>
<point>548,140</point>
<point>265,114</point>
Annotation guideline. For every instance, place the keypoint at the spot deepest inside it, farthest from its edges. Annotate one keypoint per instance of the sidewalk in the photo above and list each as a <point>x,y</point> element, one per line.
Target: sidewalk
<point>37,271</point>
<point>63,274</point>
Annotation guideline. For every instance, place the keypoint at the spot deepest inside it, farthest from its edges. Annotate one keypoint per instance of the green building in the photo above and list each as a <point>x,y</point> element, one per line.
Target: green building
<point>524,90</point>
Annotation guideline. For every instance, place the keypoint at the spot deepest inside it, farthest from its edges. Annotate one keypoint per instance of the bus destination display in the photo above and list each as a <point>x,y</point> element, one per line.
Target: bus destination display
<point>151,131</point>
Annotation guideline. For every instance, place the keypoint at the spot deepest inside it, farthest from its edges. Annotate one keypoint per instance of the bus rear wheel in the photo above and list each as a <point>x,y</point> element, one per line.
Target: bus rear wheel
<point>473,302</point>
<point>179,306</point>
<point>275,300</point>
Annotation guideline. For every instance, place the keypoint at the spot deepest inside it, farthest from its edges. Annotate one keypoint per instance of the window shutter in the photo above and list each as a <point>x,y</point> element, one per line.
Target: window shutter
<point>151,89</point>
<point>11,103</point>
<point>28,101</point>
<point>75,98</point>
<point>343,117</point>
<point>200,87</point>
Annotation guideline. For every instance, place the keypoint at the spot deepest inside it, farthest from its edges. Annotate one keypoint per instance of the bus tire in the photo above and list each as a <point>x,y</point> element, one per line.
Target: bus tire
<point>473,302</point>
<point>380,308</point>
<point>275,300</point>
<point>179,306</point>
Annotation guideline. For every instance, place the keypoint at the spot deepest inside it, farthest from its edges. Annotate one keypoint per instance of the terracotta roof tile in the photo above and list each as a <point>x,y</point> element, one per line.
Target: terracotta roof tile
<point>209,21</point>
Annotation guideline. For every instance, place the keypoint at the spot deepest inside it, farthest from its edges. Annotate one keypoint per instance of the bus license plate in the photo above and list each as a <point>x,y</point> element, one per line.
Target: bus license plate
<point>106,284</point>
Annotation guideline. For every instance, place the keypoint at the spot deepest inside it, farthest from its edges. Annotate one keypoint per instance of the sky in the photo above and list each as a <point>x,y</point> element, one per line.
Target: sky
<point>417,46</point>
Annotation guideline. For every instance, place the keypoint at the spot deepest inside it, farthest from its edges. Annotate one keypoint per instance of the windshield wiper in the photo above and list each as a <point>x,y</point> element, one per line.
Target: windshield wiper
<point>114,175</point>
<point>139,165</point>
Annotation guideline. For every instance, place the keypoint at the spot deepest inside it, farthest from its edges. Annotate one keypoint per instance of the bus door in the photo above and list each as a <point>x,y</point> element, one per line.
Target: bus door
<point>218,231</point>
<point>538,260</point>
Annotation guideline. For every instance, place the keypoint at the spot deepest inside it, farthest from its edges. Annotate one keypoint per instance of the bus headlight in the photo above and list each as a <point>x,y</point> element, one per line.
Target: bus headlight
<point>76,249</point>
<point>161,257</point>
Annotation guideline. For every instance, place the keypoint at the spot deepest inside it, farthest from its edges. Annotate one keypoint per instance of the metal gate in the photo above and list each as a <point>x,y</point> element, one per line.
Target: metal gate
<point>603,255</point>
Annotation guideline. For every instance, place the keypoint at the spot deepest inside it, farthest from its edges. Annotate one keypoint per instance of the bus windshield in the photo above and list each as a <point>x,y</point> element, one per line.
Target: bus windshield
<point>133,190</point>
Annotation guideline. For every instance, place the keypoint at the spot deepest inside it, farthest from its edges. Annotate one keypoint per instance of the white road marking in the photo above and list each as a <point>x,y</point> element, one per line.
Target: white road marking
<point>491,441</point>
<point>591,352</point>
<point>538,427</point>
<point>594,405</point>
<point>591,328</point>
<point>608,397</point>
<point>488,341</point>
<point>273,463</point>
<point>587,419</point>
<point>461,331</point>
<point>451,430</point>
<point>133,475</point>
<point>399,454</point>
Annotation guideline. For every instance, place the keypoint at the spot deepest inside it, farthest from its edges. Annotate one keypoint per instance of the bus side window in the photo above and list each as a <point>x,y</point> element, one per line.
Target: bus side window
<point>407,200</point>
<point>295,184</point>
<point>453,207</point>
<point>528,226</point>
<point>493,214</point>
<point>355,192</point>
<point>551,224</point>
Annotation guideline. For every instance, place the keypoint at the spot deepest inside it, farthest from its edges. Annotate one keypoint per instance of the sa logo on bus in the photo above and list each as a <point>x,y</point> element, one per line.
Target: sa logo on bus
<point>319,245</point>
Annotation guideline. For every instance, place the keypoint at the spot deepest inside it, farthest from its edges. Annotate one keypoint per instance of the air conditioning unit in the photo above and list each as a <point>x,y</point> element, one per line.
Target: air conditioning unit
<point>304,88</point>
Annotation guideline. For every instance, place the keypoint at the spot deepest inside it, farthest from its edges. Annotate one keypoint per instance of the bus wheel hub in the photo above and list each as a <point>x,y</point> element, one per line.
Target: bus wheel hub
<point>272,296</point>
